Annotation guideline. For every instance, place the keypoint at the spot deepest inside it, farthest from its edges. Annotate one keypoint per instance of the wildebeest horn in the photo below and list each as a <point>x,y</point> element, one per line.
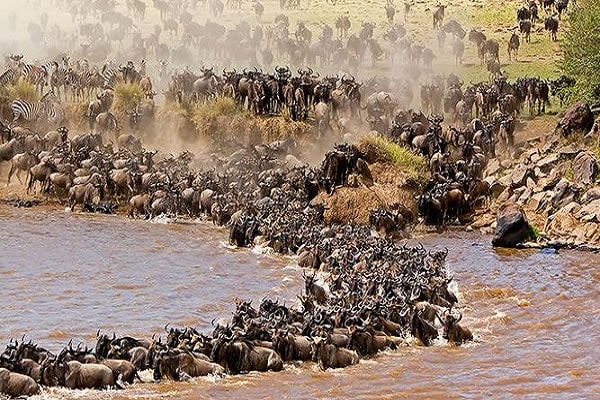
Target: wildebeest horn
<point>166,326</point>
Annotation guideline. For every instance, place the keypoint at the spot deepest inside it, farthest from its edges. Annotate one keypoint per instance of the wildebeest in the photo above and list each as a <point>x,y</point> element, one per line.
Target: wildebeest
<point>330,356</point>
<point>75,375</point>
<point>453,332</point>
<point>551,25</point>
<point>438,16</point>
<point>241,356</point>
<point>17,385</point>
<point>525,29</point>
<point>175,365</point>
<point>83,194</point>
<point>513,46</point>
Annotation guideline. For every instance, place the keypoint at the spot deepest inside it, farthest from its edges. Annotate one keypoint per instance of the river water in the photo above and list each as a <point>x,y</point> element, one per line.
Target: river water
<point>535,314</point>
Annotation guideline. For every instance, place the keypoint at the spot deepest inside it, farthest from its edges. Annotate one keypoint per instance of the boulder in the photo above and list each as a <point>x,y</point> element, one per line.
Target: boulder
<point>546,163</point>
<point>506,164</point>
<point>537,201</point>
<point>512,227</point>
<point>590,212</point>
<point>492,167</point>
<point>551,180</point>
<point>578,118</point>
<point>591,195</point>
<point>569,150</point>
<point>563,193</point>
<point>585,168</point>
<point>520,175</point>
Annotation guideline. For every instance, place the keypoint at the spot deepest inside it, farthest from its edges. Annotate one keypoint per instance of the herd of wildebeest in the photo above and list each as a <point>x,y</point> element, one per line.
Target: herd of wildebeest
<point>379,293</point>
<point>365,293</point>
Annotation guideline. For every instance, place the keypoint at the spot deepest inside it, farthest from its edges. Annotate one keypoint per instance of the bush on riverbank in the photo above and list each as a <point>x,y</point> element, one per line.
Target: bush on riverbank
<point>581,50</point>
<point>222,121</point>
<point>127,96</point>
<point>378,148</point>
<point>22,89</point>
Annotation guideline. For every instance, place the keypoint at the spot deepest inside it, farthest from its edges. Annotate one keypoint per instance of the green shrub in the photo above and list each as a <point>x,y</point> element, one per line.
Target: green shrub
<point>402,157</point>
<point>581,50</point>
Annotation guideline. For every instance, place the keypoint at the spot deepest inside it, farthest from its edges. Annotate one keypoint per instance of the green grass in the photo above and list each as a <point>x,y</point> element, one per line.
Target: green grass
<point>534,233</point>
<point>402,157</point>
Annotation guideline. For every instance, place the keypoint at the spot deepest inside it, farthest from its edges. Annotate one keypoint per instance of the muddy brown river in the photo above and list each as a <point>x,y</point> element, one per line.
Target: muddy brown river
<point>535,314</point>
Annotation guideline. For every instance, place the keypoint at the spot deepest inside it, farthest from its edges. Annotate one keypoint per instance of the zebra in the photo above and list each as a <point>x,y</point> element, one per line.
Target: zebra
<point>58,78</point>
<point>110,76</point>
<point>9,76</point>
<point>38,75</point>
<point>48,107</point>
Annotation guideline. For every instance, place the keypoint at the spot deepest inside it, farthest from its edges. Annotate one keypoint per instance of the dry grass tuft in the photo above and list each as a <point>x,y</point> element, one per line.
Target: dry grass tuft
<point>221,121</point>
<point>127,96</point>
<point>22,89</point>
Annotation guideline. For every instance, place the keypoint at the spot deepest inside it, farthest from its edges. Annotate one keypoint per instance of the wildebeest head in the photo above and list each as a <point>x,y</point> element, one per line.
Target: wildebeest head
<point>103,344</point>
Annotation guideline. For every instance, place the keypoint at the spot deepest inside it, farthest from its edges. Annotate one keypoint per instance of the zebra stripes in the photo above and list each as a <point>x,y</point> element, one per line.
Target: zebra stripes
<point>9,76</point>
<point>28,111</point>
<point>38,75</point>
<point>110,76</point>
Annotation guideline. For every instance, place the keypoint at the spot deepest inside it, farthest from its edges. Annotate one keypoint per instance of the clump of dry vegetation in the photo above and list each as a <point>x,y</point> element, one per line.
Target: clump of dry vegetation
<point>127,96</point>
<point>21,89</point>
<point>221,120</point>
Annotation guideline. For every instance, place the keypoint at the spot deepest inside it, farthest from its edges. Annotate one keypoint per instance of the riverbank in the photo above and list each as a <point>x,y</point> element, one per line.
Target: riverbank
<point>554,179</point>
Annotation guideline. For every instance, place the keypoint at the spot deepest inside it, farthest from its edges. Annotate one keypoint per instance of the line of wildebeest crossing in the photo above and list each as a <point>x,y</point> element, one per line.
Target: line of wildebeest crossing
<point>378,295</point>
<point>363,294</point>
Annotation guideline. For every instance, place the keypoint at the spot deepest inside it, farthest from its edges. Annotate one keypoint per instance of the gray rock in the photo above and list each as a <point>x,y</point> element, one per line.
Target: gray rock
<point>590,212</point>
<point>562,192</point>
<point>552,180</point>
<point>492,167</point>
<point>524,198</point>
<point>585,168</point>
<point>506,163</point>
<point>578,117</point>
<point>537,172</point>
<point>546,163</point>
<point>520,175</point>
<point>592,194</point>
<point>512,227</point>
<point>569,150</point>
<point>538,201</point>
